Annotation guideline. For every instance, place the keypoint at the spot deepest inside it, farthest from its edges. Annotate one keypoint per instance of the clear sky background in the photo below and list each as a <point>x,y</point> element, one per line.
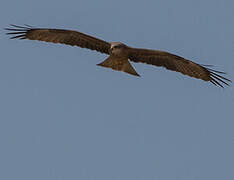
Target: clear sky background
<point>64,118</point>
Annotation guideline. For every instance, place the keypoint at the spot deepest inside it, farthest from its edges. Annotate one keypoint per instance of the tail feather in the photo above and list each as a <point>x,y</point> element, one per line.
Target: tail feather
<point>119,65</point>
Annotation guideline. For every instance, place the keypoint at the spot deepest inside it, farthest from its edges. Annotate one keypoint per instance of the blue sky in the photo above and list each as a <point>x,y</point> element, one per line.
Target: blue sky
<point>62,117</point>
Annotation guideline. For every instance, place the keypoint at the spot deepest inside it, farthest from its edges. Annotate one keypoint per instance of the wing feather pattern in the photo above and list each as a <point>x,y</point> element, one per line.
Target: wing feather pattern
<point>61,36</point>
<point>177,63</point>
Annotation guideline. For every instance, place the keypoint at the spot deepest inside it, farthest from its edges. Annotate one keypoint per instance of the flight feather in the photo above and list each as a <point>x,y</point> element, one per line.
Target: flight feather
<point>68,37</point>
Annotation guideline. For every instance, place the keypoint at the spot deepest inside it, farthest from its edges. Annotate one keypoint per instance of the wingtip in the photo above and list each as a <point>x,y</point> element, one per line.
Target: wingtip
<point>217,80</point>
<point>216,77</point>
<point>17,32</point>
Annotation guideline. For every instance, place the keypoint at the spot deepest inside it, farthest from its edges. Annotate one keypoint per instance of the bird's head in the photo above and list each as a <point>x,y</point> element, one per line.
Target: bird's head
<point>117,48</point>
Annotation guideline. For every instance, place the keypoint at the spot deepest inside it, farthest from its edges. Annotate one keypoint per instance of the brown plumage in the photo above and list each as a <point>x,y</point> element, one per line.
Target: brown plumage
<point>61,36</point>
<point>120,53</point>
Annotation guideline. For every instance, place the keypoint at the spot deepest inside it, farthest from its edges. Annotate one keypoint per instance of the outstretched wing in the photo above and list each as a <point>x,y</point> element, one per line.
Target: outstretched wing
<point>68,37</point>
<point>177,63</point>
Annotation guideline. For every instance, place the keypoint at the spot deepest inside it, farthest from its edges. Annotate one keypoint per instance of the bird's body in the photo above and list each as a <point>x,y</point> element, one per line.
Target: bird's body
<point>120,54</point>
<point>118,59</point>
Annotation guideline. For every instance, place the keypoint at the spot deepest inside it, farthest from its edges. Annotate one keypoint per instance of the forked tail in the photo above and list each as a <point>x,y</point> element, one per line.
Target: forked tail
<point>119,65</point>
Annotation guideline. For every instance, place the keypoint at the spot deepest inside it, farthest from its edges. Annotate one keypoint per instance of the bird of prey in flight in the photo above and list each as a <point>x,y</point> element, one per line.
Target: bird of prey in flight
<point>120,54</point>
